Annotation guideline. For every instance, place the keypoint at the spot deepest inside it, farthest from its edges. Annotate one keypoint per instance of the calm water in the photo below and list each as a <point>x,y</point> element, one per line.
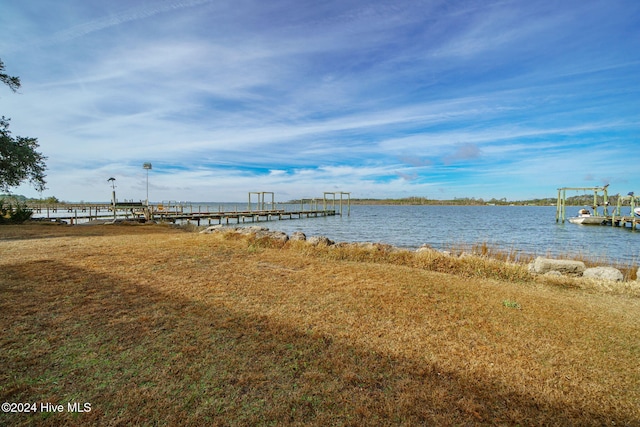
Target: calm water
<point>529,229</point>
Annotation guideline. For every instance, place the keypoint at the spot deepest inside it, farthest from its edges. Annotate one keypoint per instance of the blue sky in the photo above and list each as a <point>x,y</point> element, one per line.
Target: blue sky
<point>439,99</point>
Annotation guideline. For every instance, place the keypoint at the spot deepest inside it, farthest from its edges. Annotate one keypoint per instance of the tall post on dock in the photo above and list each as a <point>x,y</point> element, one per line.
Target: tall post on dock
<point>261,201</point>
<point>342,193</point>
<point>560,204</point>
<point>249,207</point>
<point>273,200</point>
<point>112,180</point>
<point>324,198</point>
<point>147,167</point>
<point>348,203</point>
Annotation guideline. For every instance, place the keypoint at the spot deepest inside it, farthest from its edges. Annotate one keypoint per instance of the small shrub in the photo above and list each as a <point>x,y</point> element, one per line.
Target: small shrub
<point>14,212</point>
<point>511,304</point>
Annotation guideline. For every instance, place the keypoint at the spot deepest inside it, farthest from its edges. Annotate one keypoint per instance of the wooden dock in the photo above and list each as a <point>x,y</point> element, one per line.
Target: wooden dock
<point>242,217</point>
<point>622,221</point>
<point>610,220</point>
<point>77,213</point>
<point>197,212</point>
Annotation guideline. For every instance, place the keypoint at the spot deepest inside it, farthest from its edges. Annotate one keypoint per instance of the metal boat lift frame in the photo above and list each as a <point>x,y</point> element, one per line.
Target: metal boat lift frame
<point>562,200</point>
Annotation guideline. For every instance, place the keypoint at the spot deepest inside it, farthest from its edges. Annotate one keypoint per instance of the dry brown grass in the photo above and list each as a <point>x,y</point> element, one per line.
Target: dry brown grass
<point>155,326</point>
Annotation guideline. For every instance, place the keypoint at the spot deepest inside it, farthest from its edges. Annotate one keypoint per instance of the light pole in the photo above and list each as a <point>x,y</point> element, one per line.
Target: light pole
<point>147,166</point>
<point>112,181</point>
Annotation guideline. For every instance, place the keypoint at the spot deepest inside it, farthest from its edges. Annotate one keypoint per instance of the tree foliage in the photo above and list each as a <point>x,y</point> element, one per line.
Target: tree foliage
<point>12,82</point>
<point>19,160</point>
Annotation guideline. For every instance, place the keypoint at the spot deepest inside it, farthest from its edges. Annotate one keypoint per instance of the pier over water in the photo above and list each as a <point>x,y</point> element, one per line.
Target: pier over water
<point>200,213</point>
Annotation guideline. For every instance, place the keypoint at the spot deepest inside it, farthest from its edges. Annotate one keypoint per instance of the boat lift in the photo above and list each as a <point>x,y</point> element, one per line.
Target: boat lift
<point>562,201</point>
<point>614,218</point>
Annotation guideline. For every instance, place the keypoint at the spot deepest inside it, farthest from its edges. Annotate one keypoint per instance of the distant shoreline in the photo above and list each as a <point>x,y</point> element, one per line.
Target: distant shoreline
<point>582,200</point>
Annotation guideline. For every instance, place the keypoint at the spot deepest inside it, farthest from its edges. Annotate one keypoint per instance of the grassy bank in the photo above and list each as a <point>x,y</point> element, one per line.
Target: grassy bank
<point>152,325</point>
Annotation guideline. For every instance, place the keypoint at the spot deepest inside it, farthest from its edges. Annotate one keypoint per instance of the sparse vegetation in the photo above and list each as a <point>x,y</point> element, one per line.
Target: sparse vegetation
<point>153,325</point>
<point>511,304</point>
<point>13,211</point>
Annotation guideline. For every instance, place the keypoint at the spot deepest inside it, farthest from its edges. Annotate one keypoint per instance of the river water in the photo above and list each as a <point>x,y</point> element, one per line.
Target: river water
<point>527,229</point>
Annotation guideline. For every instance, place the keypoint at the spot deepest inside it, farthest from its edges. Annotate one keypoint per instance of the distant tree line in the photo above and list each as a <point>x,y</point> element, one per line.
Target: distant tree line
<point>51,200</point>
<point>579,200</point>
<point>458,201</point>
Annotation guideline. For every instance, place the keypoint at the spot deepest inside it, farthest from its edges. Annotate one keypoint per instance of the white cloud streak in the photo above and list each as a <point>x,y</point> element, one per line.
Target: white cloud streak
<point>388,98</point>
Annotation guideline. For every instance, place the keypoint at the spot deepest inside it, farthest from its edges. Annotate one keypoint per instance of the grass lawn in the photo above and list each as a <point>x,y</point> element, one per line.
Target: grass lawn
<point>151,325</point>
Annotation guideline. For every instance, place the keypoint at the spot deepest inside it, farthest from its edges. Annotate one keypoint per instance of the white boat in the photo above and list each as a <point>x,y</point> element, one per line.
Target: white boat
<point>588,220</point>
<point>585,218</point>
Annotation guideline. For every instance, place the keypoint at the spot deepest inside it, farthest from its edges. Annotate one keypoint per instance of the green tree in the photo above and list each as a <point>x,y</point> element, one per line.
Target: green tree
<point>19,160</point>
<point>12,82</point>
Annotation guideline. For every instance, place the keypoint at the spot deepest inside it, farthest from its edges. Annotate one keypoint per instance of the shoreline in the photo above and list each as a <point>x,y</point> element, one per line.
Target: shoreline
<point>536,265</point>
<point>630,271</point>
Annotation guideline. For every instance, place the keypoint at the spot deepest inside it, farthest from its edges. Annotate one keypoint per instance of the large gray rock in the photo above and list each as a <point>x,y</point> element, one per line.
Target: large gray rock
<point>276,235</point>
<point>254,229</point>
<point>212,229</point>
<point>298,236</point>
<point>542,265</point>
<point>260,232</point>
<point>605,273</point>
<point>320,240</point>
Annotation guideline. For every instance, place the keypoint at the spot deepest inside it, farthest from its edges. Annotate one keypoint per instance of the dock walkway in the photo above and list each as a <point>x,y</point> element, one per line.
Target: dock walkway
<point>243,217</point>
<point>186,211</point>
<point>78,213</point>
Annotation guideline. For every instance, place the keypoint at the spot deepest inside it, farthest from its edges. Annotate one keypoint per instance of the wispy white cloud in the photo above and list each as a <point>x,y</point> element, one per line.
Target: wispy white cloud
<point>387,98</point>
<point>144,11</point>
